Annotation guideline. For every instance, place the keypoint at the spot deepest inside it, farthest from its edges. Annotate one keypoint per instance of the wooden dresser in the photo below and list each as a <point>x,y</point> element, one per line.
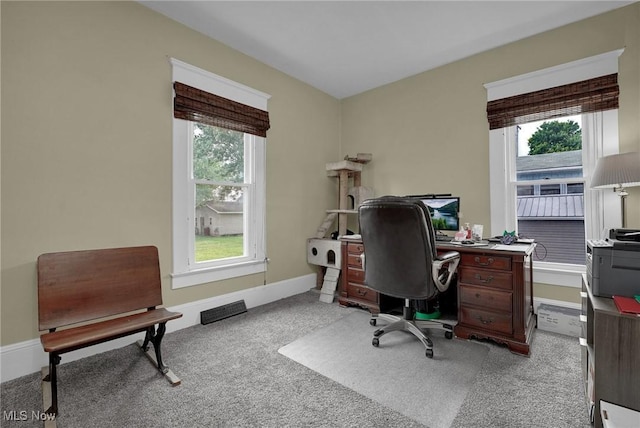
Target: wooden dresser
<point>495,296</point>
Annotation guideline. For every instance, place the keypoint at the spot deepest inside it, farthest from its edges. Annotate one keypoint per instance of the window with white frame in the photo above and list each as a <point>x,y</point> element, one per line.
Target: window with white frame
<point>219,130</point>
<point>516,179</point>
<point>548,163</point>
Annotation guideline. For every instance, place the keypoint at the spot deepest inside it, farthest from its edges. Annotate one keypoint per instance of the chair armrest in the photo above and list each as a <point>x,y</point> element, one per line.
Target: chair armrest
<point>449,260</point>
<point>448,256</point>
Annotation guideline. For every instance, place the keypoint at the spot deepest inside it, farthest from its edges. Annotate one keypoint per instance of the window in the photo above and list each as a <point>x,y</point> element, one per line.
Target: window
<point>549,160</point>
<point>218,179</point>
<point>526,194</point>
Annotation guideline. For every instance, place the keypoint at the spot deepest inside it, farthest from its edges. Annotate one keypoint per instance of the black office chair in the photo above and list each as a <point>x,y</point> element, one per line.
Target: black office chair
<point>400,260</point>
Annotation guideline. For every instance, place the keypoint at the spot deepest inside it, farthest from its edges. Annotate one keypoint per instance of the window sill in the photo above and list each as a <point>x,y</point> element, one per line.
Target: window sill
<point>203,276</point>
<point>564,275</point>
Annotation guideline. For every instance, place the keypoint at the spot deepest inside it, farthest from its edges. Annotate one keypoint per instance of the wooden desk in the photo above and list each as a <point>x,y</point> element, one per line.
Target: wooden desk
<point>495,292</point>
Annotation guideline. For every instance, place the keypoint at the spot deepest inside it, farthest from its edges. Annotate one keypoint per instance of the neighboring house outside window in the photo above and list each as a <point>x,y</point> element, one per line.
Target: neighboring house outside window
<point>224,218</point>
<point>548,212</point>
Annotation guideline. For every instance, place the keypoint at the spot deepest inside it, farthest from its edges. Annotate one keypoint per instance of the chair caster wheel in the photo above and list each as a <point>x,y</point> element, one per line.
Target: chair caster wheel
<point>429,353</point>
<point>372,321</point>
<point>448,335</point>
<point>375,342</point>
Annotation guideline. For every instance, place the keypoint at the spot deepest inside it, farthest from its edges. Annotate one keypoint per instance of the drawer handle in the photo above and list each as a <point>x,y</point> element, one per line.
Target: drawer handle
<point>484,281</point>
<point>361,292</point>
<point>484,321</point>
<point>479,296</point>
<point>487,263</point>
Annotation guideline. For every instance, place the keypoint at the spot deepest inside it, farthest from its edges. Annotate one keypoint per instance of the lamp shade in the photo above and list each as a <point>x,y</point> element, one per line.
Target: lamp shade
<point>621,170</point>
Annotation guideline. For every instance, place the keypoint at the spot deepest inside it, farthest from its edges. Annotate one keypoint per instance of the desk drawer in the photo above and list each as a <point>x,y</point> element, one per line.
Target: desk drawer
<point>354,248</point>
<point>486,320</point>
<point>490,299</point>
<point>354,260</point>
<point>355,275</point>
<point>486,278</point>
<point>485,261</point>
<point>361,292</point>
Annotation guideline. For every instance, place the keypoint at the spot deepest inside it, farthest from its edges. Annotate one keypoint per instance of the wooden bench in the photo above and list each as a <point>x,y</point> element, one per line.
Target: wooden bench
<point>111,293</point>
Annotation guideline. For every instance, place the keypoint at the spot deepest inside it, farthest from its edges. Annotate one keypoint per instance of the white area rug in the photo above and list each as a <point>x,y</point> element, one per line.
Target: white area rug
<point>397,374</point>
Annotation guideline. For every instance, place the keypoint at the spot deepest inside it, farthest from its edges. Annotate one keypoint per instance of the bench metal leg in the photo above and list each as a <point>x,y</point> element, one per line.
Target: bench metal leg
<point>147,338</point>
<point>157,340</point>
<point>52,378</point>
<point>155,337</point>
<point>48,418</point>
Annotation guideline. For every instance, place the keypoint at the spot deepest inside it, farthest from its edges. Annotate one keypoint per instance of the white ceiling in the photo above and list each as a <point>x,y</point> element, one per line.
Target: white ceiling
<point>347,47</point>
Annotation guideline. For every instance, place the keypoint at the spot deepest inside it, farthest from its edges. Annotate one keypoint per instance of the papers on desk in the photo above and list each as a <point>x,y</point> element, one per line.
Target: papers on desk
<point>512,247</point>
<point>517,241</point>
<point>475,244</point>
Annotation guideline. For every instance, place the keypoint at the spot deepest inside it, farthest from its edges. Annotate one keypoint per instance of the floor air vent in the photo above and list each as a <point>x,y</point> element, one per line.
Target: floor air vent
<point>222,312</point>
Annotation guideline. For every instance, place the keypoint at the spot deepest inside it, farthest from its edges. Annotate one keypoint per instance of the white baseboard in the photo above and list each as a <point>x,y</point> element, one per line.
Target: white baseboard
<point>20,359</point>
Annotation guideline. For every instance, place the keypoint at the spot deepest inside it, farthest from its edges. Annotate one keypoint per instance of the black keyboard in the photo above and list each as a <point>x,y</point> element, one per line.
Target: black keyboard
<point>443,238</point>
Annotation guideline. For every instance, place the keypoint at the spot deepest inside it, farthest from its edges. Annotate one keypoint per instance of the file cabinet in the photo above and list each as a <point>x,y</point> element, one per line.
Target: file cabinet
<point>352,291</point>
<point>610,354</point>
<point>495,296</point>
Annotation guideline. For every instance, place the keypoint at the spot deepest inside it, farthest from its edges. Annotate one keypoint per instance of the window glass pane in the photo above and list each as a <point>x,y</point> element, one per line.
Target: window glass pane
<point>219,228</point>
<point>549,149</point>
<point>575,188</point>
<point>218,154</point>
<point>550,189</point>
<point>525,190</point>
<point>552,214</point>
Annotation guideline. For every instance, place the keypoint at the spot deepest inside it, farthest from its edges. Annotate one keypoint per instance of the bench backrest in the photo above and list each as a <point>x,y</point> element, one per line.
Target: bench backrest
<point>79,286</point>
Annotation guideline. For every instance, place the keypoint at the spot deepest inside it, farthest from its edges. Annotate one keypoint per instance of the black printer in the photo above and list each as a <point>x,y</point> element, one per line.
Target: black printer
<point>613,264</point>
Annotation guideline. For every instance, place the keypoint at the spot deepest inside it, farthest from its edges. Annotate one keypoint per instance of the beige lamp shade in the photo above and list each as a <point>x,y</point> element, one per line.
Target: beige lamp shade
<point>621,170</point>
<point>618,171</point>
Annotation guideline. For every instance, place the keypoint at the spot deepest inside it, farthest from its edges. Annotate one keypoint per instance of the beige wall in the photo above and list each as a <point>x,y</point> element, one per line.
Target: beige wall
<point>86,135</point>
<point>86,144</point>
<point>429,134</point>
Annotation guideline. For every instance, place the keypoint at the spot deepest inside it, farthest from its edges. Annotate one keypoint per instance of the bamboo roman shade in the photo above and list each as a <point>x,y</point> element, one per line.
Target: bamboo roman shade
<point>597,94</point>
<point>197,105</point>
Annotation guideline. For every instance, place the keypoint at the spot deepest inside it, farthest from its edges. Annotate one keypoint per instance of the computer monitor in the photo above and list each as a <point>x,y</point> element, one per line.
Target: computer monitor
<point>445,211</point>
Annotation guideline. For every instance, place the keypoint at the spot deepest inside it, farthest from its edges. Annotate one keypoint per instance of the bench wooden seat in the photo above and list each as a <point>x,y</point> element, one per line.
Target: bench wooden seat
<point>94,296</point>
<point>91,334</point>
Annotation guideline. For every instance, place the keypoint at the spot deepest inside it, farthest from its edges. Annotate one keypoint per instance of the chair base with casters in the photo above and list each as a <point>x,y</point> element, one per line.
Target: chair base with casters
<point>409,324</point>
